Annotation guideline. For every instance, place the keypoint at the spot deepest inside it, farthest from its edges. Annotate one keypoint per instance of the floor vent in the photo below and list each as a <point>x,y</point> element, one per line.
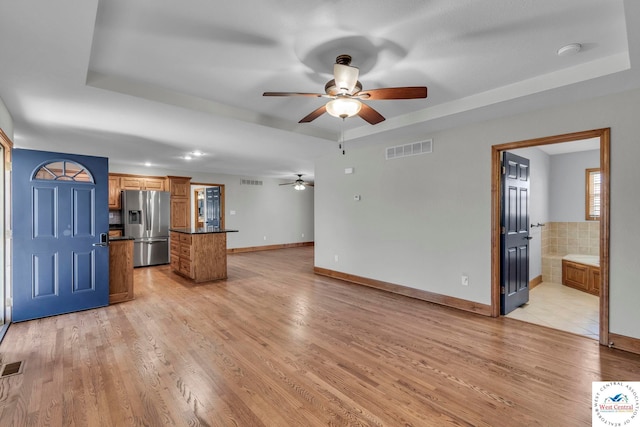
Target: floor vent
<point>9,369</point>
<point>250,182</point>
<point>412,149</point>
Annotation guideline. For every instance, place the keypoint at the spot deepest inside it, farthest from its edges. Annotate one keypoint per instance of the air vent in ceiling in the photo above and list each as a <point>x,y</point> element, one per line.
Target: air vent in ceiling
<point>250,182</point>
<point>412,149</point>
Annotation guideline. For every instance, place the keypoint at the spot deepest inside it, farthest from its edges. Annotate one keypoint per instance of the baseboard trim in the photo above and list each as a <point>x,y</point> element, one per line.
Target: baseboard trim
<point>268,247</point>
<point>535,282</point>
<point>440,299</point>
<point>622,342</point>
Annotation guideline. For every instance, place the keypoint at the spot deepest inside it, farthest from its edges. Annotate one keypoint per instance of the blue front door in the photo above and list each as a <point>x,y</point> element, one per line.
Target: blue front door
<point>60,222</point>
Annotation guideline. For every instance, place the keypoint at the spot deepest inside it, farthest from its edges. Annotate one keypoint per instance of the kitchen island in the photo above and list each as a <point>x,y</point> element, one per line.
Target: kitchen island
<point>199,254</point>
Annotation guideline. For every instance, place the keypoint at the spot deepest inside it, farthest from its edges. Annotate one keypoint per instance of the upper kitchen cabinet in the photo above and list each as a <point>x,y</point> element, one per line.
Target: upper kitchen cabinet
<point>119,182</point>
<point>180,187</point>
<point>114,192</point>
<point>141,183</point>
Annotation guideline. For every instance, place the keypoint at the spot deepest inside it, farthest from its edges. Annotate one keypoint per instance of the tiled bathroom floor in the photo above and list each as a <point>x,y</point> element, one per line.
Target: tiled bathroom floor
<point>560,307</point>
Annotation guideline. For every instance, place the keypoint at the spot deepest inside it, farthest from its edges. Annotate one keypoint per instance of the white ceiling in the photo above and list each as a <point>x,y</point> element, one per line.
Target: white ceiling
<point>151,80</point>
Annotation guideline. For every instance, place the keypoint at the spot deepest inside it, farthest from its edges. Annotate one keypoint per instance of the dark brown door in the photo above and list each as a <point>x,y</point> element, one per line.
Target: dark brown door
<point>514,278</point>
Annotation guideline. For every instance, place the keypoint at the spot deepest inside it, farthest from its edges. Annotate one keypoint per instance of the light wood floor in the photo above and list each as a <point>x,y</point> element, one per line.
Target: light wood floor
<point>275,345</point>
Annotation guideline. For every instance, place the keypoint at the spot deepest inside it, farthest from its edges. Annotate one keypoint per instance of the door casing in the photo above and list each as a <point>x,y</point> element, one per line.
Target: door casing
<point>496,156</point>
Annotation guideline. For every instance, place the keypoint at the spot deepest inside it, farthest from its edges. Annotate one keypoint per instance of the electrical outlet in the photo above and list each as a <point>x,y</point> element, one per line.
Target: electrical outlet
<point>302,234</point>
<point>265,237</point>
<point>465,280</point>
<point>335,258</point>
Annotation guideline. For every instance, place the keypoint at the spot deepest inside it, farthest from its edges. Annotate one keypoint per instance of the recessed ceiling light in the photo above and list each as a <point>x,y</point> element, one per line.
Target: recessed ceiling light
<point>570,49</point>
<point>197,153</point>
<point>187,157</point>
<point>147,164</point>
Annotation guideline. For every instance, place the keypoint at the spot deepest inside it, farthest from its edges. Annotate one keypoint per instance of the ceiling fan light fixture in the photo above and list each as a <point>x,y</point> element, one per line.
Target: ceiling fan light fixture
<point>343,107</point>
<point>299,187</point>
<point>345,78</point>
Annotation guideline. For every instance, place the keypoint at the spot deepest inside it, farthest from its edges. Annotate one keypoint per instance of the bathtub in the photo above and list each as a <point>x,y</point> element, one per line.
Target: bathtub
<point>582,272</point>
<point>592,260</point>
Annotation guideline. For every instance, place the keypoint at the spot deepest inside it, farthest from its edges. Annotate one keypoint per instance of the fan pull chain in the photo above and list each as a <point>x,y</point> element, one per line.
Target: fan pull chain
<point>341,145</point>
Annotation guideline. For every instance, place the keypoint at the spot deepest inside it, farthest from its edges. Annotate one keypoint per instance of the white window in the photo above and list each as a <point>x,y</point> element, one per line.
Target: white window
<point>592,194</point>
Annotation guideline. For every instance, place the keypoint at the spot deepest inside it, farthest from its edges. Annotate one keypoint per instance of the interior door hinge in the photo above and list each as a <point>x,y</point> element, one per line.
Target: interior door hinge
<point>503,230</point>
<point>502,290</point>
<point>504,170</point>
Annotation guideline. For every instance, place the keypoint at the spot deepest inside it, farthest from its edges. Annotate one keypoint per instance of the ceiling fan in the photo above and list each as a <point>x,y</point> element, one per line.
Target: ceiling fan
<point>345,92</point>
<point>299,184</point>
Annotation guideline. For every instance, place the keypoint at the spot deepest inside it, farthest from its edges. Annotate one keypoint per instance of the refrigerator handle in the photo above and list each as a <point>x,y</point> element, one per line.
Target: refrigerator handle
<point>148,213</point>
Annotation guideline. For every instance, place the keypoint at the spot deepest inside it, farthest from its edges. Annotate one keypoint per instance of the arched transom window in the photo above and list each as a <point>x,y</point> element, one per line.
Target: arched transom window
<point>63,170</point>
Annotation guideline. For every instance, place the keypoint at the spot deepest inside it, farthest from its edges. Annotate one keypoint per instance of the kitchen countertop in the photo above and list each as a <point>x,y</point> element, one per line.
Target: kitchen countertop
<point>118,238</point>
<point>202,230</point>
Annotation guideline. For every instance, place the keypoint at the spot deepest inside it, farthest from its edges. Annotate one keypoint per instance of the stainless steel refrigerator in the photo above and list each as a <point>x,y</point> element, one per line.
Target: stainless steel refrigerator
<point>146,219</point>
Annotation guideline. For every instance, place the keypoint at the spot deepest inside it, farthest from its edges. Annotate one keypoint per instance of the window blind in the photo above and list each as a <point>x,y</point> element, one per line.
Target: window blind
<point>593,194</point>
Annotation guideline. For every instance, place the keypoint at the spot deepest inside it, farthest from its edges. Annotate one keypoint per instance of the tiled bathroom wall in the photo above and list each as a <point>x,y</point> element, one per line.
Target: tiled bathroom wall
<point>563,238</point>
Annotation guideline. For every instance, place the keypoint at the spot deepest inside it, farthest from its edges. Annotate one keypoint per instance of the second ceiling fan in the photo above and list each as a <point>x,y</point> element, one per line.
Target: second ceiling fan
<point>346,94</point>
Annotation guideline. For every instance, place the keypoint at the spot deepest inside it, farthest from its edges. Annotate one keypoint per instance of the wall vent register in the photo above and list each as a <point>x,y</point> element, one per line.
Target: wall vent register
<point>250,182</point>
<point>412,149</point>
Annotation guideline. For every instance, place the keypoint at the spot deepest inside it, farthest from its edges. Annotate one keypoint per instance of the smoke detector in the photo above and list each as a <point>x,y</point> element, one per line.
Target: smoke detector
<point>570,49</point>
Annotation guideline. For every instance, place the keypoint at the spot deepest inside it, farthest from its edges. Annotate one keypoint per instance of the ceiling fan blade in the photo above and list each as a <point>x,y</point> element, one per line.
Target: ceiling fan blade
<point>307,184</point>
<point>408,92</point>
<point>370,115</point>
<point>314,115</point>
<point>315,95</point>
<point>288,183</point>
<point>345,77</point>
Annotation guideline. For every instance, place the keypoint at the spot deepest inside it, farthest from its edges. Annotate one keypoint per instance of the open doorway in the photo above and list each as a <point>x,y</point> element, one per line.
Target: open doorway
<point>602,136</point>
<point>203,210</point>
<point>561,235</point>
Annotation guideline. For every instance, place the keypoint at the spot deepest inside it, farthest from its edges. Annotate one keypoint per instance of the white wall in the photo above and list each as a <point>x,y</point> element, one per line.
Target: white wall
<point>280,213</point>
<point>425,220</point>
<point>539,187</point>
<point>568,193</point>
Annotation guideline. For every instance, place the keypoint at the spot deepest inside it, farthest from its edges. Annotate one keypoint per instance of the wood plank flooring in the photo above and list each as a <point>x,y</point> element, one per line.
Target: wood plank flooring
<point>276,345</point>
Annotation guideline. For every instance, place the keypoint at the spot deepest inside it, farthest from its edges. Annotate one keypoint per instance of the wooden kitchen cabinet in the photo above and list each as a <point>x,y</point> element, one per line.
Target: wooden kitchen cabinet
<point>180,188</point>
<point>141,183</point>
<point>579,276</point>
<point>115,233</point>
<point>120,270</point>
<point>180,213</point>
<point>114,192</point>
<point>120,182</point>
<point>200,257</point>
